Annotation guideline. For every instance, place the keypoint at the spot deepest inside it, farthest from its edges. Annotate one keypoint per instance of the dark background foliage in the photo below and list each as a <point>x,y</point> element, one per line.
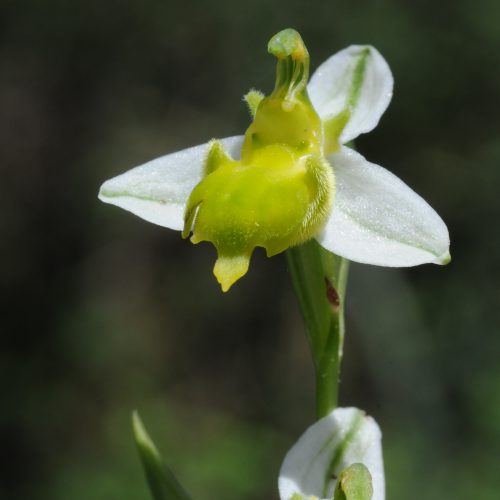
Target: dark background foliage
<point>103,313</point>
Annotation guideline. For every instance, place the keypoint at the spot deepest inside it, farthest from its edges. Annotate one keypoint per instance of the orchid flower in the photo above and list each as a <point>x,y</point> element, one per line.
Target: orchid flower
<point>291,177</point>
<point>329,453</point>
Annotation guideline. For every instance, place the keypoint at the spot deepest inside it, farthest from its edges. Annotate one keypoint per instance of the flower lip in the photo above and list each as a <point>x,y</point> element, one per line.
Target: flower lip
<point>272,198</point>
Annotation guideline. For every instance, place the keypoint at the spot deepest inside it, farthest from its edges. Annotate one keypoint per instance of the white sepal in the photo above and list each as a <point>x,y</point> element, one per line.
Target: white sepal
<point>377,219</point>
<point>158,190</point>
<point>342,438</point>
<point>357,79</point>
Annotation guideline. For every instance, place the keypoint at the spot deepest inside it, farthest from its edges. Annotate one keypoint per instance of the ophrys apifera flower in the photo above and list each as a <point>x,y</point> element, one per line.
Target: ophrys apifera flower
<point>290,178</point>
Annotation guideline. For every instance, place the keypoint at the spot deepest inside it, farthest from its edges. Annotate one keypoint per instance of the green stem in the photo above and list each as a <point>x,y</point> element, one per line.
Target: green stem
<point>320,279</point>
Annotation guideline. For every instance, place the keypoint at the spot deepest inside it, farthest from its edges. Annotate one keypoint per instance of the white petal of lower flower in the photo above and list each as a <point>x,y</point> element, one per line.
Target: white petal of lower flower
<point>158,190</point>
<point>344,437</point>
<point>357,79</point>
<point>377,219</point>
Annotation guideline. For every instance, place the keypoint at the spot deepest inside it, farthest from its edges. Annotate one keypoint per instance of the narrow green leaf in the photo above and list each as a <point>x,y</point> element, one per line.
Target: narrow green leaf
<point>162,482</point>
<point>355,483</point>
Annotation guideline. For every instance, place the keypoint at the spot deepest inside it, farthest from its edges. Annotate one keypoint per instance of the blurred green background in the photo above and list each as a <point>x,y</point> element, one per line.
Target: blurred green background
<point>104,313</point>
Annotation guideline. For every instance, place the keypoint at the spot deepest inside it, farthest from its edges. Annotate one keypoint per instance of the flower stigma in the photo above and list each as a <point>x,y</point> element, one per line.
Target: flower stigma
<point>280,192</point>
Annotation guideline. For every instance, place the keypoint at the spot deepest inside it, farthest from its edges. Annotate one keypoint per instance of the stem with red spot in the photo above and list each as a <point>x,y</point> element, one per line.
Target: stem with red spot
<point>319,278</point>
